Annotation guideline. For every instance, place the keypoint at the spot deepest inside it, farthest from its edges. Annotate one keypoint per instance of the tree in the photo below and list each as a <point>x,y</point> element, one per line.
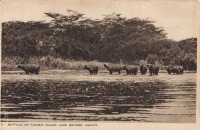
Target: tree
<point>111,39</point>
<point>152,58</point>
<point>189,61</point>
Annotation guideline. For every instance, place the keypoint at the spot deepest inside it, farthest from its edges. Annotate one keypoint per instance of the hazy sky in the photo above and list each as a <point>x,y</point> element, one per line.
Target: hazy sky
<point>177,17</point>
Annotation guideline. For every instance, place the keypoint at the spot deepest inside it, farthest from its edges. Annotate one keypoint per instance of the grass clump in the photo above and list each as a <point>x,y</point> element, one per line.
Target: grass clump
<point>47,63</point>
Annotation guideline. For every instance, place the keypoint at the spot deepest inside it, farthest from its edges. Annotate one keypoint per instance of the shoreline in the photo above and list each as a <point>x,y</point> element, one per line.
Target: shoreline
<point>81,71</point>
<point>82,76</point>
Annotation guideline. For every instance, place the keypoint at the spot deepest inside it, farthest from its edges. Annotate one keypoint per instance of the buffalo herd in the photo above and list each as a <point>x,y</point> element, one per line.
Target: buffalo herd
<point>130,69</point>
<point>133,70</point>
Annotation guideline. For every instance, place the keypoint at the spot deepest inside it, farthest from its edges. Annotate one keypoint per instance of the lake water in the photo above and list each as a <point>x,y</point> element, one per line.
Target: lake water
<point>61,97</point>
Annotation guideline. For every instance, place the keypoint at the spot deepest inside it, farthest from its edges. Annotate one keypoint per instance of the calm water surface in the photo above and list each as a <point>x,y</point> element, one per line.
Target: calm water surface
<point>159,100</point>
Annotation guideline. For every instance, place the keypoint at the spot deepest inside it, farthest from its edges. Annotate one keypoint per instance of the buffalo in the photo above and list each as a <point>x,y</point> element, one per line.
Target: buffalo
<point>153,70</point>
<point>35,69</point>
<point>130,70</point>
<point>143,69</point>
<point>181,69</point>
<point>112,69</point>
<point>174,69</point>
<point>92,69</point>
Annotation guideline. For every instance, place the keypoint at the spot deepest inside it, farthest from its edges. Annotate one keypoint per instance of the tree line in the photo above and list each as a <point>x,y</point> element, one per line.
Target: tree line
<point>113,38</point>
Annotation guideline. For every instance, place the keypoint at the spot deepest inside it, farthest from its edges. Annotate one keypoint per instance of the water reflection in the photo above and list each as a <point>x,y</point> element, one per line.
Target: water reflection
<point>97,101</point>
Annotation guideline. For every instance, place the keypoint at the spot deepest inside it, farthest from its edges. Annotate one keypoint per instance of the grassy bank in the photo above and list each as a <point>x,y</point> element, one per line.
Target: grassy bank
<point>52,63</point>
<point>48,63</point>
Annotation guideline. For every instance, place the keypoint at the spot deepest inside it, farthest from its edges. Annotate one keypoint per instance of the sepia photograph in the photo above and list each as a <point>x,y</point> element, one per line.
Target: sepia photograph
<point>125,61</point>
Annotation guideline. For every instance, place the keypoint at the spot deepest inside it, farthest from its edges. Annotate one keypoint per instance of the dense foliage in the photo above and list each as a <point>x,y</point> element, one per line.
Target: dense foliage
<point>112,39</point>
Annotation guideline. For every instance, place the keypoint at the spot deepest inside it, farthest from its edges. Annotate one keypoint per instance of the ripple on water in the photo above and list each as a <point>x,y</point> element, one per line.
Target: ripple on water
<point>154,100</point>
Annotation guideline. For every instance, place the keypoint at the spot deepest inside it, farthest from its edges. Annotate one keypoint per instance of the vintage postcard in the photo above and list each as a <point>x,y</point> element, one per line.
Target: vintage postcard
<point>111,64</point>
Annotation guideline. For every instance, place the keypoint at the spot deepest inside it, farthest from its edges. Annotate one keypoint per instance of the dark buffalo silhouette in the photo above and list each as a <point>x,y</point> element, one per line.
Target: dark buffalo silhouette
<point>130,70</point>
<point>153,69</point>
<point>35,69</point>
<point>181,69</point>
<point>143,69</point>
<point>112,69</point>
<point>174,69</point>
<point>92,69</point>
